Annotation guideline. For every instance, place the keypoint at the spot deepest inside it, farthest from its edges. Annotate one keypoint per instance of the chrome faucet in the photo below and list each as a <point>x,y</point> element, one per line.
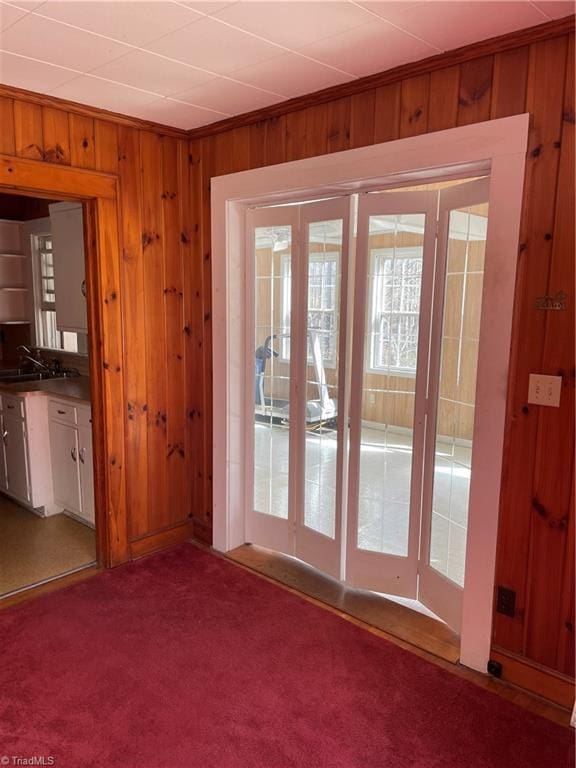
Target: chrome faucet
<point>26,354</point>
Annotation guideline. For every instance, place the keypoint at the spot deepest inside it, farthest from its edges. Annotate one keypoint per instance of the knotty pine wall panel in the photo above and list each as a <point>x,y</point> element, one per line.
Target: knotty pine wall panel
<point>161,364</point>
<point>535,557</point>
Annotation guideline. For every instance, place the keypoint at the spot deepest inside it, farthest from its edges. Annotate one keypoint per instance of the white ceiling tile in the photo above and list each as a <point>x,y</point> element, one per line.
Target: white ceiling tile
<point>450,25</point>
<point>228,96</point>
<point>31,75</point>
<point>101,93</point>
<point>206,7</point>
<point>367,49</point>
<point>27,5</point>
<point>153,73</point>
<point>58,44</point>
<point>177,114</point>
<point>556,10</point>
<point>214,46</point>
<point>129,22</point>
<point>9,15</point>
<point>295,24</point>
<point>291,75</point>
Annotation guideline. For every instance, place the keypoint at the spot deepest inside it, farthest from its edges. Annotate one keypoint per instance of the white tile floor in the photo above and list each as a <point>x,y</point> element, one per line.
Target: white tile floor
<point>384,492</point>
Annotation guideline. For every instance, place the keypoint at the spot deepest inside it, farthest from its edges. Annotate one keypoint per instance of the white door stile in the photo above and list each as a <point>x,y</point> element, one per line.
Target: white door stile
<point>312,546</point>
<point>266,530</point>
<point>436,591</point>
<point>366,569</point>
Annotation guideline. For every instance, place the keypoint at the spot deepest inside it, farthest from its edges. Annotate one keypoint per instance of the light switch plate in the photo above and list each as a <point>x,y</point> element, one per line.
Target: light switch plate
<point>544,390</point>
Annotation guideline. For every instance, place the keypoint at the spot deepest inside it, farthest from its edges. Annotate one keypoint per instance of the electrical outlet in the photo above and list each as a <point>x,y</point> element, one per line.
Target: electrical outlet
<point>544,390</point>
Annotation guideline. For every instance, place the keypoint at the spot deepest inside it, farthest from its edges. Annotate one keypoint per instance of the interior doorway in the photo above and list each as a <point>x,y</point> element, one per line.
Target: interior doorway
<point>47,510</point>
<point>365,317</point>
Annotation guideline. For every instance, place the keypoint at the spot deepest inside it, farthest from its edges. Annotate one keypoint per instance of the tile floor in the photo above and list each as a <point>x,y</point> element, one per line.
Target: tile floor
<point>34,548</point>
<point>384,490</point>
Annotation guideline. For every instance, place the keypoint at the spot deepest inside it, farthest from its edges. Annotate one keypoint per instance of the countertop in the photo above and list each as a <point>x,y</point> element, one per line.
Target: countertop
<point>76,388</point>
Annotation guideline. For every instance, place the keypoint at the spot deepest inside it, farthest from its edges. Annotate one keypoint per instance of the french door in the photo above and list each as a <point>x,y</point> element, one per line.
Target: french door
<point>361,366</point>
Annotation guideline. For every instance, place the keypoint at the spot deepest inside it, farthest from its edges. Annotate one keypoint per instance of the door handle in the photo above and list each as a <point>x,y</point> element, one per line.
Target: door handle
<point>73,453</point>
<point>83,288</point>
<point>82,455</point>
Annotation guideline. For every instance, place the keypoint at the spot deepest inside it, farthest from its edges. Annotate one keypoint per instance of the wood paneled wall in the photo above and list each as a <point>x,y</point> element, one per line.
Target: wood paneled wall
<point>536,517</point>
<point>160,298</point>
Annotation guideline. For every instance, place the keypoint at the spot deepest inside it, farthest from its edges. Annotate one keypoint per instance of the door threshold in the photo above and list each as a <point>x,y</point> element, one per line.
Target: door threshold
<point>50,584</point>
<point>395,616</point>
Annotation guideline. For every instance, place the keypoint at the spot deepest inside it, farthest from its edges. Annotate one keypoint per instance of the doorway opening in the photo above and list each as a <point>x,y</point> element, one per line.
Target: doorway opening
<point>47,510</point>
<point>366,322</point>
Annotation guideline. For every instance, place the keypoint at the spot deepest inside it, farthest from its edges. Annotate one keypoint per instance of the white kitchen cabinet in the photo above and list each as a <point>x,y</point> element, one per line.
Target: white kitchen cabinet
<point>66,479</point>
<point>69,270</point>
<point>25,466</point>
<point>16,453</point>
<point>71,449</point>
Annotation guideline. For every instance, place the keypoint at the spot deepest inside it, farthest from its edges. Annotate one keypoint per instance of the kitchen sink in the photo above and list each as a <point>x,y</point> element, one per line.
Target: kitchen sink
<point>16,375</point>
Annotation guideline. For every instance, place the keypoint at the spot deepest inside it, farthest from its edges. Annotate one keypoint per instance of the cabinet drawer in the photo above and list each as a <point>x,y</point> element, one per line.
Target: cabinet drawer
<point>84,417</point>
<point>60,411</point>
<point>13,406</point>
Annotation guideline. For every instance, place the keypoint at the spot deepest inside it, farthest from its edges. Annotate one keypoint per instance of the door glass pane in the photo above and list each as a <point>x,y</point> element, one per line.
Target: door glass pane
<point>322,334</point>
<point>457,390</point>
<point>272,292</point>
<point>395,252</point>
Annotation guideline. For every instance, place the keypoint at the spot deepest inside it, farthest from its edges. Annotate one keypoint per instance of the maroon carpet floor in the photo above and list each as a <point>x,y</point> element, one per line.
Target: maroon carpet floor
<point>185,660</point>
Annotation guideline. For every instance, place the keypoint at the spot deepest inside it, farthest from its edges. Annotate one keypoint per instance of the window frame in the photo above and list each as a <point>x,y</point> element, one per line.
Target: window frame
<point>369,355</point>
<point>320,256</point>
<point>36,229</point>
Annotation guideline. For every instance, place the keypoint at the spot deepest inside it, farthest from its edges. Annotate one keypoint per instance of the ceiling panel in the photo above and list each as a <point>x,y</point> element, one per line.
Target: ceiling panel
<point>178,114</point>
<point>228,96</point>
<point>556,10</point>
<point>32,75</point>
<point>453,24</point>
<point>292,75</point>
<point>294,24</point>
<point>151,72</point>
<point>140,53</point>
<point>369,48</point>
<point>214,46</point>
<point>9,15</point>
<point>91,90</point>
<point>55,43</point>
<point>119,21</point>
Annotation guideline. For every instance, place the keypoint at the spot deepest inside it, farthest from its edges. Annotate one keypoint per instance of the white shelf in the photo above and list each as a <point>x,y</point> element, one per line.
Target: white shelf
<point>13,288</point>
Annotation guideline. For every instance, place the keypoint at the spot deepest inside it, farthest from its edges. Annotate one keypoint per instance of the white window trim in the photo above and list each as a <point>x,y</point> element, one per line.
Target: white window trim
<point>32,229</point>
<point>326,256</point>
<point>497,145</point>
<point>408,373</point>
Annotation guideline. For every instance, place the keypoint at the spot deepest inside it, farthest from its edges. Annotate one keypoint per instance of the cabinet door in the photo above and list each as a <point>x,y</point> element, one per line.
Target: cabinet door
<point>65,471</point>
<point>16,458</point>
<point>69,272</point>
<point>3,475</point>
<point>86,472</point>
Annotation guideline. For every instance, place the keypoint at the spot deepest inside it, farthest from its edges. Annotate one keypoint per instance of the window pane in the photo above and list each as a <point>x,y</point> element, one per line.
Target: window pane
<point>391,345</point>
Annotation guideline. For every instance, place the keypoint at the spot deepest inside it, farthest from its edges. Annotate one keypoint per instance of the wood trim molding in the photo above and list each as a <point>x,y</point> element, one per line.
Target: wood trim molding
<point>44,100</point>
<point>44,178</point>
<point>532,677</point>
<point>170,537</point>
<point>452,58</point>
<point>99,193</point>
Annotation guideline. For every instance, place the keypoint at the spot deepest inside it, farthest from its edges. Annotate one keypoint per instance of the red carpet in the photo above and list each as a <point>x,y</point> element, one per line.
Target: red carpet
<point>185,660</point>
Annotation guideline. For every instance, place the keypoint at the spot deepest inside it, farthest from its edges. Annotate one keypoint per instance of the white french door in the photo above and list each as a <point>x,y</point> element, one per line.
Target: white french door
<point>393,292</point>
<point>361,378</point>
<point>297,294</point>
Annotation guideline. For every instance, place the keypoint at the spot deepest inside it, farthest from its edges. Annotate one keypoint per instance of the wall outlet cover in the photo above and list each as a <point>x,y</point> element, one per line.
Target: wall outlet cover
<point>544,390</point>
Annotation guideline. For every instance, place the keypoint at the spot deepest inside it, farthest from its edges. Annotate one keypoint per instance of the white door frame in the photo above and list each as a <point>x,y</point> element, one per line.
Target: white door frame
<point>498,146</point>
